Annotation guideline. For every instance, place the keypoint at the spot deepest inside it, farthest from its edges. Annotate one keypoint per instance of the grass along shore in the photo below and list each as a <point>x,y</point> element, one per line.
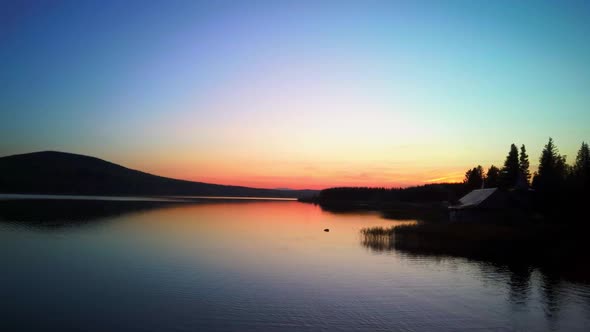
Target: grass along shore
<point>559,247</point>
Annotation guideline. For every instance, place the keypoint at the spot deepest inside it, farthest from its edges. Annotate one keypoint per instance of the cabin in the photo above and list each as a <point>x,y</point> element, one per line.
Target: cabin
<point>491,205</point>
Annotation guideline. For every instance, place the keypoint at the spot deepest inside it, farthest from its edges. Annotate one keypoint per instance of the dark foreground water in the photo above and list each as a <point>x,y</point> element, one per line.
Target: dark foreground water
<point>243,266</point>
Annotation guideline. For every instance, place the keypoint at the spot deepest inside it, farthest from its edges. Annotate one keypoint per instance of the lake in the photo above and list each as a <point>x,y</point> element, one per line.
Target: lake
<point>217,265</point>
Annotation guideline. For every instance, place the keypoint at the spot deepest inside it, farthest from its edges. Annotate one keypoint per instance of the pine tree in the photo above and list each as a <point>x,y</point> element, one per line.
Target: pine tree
<point>524,164</point>
<point>548,159</point>
<point>511,169</point>
<point>582,165</point>
<point>581,169</point>
<point>492,177</point>
<point>552,169</point>
<point>474,178</point>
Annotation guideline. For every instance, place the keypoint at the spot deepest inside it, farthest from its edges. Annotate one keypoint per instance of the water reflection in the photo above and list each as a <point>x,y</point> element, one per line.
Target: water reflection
<point>519,283</point>
<point>253,266</point>
<point>66,213</point>
<point>524,283</point>
<point>57,213</point>
<point>377,242</point>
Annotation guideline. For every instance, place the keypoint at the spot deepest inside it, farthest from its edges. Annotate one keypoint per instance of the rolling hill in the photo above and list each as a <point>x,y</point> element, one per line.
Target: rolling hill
<point>51,172</point>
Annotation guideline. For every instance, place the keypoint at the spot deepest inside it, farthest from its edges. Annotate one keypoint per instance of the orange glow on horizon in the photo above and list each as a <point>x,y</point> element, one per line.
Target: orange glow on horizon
<point>307,180</point>
<point>304,169</point>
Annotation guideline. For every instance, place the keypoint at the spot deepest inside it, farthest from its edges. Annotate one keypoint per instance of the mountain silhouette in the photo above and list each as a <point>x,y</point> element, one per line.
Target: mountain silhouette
<point>51,172</point>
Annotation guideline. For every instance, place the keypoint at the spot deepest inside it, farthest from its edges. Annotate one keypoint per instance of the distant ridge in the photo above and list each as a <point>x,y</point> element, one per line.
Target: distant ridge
<point>53,172</point>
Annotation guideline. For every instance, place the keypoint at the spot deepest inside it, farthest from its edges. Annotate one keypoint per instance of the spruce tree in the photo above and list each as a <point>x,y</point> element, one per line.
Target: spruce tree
<point>582,165</point>
<point>547,159</point>
<point>524,164</point>
<point>474,178</point>
<point>511,169</point>
<point>492,177</point>
<point>552,169</point>
<point>580,178</point>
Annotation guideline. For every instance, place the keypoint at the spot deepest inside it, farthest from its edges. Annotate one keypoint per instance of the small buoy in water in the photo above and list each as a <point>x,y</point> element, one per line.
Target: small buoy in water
<point>326,230</point>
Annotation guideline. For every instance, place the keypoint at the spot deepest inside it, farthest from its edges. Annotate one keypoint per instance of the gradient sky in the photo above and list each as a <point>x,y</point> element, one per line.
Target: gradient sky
<point>294,93</point>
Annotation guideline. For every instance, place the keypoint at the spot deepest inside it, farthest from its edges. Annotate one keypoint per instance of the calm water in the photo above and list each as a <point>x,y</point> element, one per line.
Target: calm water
<point>251,266</point>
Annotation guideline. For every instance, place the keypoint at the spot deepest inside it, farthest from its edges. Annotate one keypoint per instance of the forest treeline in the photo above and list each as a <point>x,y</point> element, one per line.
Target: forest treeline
<point>427,193</point>
<point>558,188</point>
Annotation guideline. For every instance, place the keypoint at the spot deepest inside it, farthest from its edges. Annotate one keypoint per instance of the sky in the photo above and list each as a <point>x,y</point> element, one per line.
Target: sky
<point>295,94</point>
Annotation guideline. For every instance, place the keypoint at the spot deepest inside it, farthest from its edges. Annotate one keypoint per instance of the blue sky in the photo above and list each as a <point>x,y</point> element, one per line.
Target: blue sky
<point>297,93</point>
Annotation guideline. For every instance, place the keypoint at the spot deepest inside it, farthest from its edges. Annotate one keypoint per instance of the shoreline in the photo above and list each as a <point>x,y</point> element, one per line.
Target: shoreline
<point>558,248</point>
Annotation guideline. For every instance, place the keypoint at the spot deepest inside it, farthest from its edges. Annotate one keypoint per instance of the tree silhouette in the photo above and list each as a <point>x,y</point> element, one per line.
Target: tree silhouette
<point>492,177</point>
<point>435,192</point>
<point>511,170</point>
<point>561,193</point>
<point>552,171</point>
<point>578,181</point>
<point>474,178</point>
<point>524,164</point>
<point>547,160</point>
<point>581,169</point>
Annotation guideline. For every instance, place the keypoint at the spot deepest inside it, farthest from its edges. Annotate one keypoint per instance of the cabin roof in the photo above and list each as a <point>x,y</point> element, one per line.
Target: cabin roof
<point>474,198</point>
